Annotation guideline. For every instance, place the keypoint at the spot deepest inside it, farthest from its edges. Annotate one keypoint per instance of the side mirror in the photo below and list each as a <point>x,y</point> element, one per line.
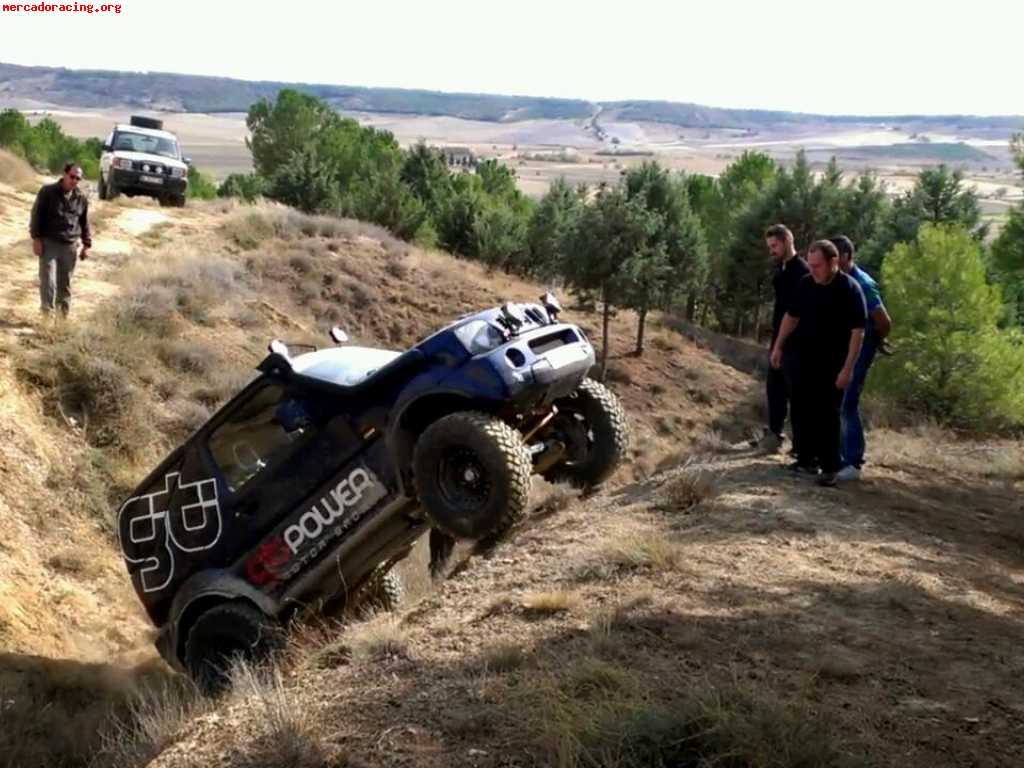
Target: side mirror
<point>108,147</point>
<point>187,160</point>
<point>338,335</point>
<point>279,360</point>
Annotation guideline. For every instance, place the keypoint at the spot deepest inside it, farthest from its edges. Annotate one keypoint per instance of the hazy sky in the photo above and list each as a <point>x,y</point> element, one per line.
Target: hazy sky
<point>888,57</point>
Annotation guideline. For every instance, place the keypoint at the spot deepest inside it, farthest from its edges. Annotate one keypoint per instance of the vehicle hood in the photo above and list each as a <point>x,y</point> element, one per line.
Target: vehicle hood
<point>143,157</point>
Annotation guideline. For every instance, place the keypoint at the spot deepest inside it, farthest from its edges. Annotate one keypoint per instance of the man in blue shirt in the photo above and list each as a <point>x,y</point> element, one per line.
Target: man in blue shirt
<point>878,327</point>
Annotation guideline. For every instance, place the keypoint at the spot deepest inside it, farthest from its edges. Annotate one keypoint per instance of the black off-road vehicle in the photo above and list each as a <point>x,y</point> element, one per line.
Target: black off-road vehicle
<point>314,480</point>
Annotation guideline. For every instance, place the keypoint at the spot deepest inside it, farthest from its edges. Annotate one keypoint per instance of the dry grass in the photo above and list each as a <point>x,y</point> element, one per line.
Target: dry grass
<point>713,442</point>
<point>593,719</point>
<point>379,637</point>
<point>537,604</point>
<point>550,498</point>
<point>631,547</point>
<point>692,485</point>
<point>929,445</point>
<point>154,720</point>
<point>501,658</point>
<point>188,357</point>
<point>287,738</point>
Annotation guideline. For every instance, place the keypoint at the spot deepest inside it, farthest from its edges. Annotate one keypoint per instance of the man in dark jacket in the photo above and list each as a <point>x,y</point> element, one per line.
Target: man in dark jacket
<point>60,236</point>
<point>789,269</point>
<point>826,320</point>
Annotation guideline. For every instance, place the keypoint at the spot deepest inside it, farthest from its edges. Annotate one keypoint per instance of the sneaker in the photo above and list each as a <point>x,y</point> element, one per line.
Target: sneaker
<point>827,479</point>
<point>800,468</point>
<point>769,442</point>
<point>848,473</point>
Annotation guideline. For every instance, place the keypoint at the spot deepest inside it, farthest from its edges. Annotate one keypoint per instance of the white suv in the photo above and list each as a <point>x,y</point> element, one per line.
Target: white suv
<point>143,159</point>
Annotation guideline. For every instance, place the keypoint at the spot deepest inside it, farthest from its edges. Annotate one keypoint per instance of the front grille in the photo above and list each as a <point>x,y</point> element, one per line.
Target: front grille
<point>553,341</point>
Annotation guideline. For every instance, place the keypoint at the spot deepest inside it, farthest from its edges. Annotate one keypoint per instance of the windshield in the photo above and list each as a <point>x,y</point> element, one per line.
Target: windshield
<point>152,145</point>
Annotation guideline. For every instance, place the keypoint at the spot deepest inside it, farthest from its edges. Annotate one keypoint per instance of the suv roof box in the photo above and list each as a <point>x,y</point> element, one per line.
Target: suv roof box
<point>139,121</point>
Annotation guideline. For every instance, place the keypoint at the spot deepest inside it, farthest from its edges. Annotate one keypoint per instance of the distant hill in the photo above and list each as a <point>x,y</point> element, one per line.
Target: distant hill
<point>195,93</point>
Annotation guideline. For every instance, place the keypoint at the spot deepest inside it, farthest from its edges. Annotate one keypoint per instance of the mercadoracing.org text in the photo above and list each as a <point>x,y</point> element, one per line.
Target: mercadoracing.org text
<point>60,8</point>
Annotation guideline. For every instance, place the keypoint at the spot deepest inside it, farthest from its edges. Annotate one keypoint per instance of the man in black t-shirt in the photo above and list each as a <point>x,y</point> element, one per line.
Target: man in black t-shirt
<point>826,321</point>
<point>789,270</point>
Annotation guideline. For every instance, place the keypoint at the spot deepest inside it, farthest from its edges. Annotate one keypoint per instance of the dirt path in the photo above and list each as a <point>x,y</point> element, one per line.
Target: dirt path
<point>54,599</point>
<point>116,233</point>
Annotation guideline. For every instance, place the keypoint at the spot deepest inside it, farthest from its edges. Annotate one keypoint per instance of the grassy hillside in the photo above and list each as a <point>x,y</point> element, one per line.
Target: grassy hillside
<point>706,609</point>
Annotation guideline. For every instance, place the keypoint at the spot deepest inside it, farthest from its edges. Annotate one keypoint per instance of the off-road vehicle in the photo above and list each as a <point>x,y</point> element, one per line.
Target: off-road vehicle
<point>143,159</point>
<point>322,472</point>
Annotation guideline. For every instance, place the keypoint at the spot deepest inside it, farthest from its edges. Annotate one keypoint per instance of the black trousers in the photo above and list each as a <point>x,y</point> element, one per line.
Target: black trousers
<point>779,386</point>
<point>816,416</point>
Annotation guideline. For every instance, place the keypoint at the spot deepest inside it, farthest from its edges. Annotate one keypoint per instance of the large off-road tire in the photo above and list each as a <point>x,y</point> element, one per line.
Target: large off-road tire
<point>223,633</point>
<point>101,187</point>
<point>382,592</point>
<point>472,474</point>
<point>592,424</point>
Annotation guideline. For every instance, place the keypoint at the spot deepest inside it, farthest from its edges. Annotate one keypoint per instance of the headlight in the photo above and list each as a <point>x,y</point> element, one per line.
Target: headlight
<point>122,163</point>
<point>479,336</point>
<point>178,172</point>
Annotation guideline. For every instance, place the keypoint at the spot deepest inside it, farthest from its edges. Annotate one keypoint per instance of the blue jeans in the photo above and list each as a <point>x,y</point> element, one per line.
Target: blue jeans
<point>852,433</point>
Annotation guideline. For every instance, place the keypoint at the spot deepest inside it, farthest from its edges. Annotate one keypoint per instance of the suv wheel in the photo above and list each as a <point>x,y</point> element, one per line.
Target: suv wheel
<point>226,632</point>
<point>472,474</point>
<point>101,187</point>
<point>382,592</point>
<point>592,424</point>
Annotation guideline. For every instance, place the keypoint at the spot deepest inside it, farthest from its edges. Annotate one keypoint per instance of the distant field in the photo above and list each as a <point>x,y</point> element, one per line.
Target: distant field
<point>937,152</point>
<point>542,150</point>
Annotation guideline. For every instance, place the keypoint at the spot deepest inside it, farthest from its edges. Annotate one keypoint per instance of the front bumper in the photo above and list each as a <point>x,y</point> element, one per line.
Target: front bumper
<point>537,379</point>
<point>138,181</point>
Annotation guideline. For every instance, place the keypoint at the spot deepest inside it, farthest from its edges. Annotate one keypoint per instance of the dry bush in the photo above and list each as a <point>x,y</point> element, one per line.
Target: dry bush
<point>188,357</point>
<point>186,417</point>
<point>222,383</point>
<point>195,283</point>
<point>154,719</point>
<point>88,383</point>
<point>549,603</point>
<point>711,441</point>
<point>148,309</point>
<point>287,738</point>
<point>251,227</point>
<point>630,548</point>
<point>688,488</point>
<point>379,637</point>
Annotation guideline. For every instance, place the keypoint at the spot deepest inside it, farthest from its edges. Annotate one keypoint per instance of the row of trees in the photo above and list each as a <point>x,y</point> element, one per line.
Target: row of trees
<point>685,243</point>
<point>46,146</point>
